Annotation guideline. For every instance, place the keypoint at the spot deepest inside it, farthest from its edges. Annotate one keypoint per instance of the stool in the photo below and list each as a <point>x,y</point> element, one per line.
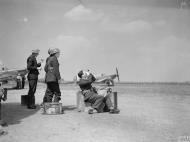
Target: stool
<point>115,101</point>
<point>80,102</point>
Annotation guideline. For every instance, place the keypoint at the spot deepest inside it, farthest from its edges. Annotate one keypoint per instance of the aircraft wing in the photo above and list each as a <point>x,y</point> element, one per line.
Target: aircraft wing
<point>101,80</point>
<point>11,74</point>
<point>22,72</point>
<point>105,78</point>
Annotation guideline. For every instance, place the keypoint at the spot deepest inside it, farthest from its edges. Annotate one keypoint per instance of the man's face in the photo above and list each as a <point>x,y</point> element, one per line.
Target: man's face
<point>35,54</point>
<point>57,54</point>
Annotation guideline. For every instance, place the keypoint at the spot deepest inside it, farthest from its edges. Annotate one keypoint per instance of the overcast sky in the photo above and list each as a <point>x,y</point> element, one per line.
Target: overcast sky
<point>148,40</point>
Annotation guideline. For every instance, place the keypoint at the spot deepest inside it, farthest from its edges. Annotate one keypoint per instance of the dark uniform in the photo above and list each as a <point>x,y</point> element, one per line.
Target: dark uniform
<point>51,78</point>
<point>33,73</point>
<point>98,102</point>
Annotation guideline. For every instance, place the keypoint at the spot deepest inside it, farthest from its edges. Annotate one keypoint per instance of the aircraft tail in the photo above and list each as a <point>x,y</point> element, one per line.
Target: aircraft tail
<point>3,67</point>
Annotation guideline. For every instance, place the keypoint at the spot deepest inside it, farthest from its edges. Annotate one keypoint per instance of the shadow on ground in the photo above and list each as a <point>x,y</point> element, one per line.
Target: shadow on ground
<point>13,113</point>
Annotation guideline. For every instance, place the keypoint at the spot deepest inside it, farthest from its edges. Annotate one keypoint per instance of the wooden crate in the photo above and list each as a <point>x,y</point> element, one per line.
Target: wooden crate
<point>53,108</point>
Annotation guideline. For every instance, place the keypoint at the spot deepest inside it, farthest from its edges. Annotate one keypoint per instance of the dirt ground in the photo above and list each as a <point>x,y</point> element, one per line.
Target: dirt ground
<point>143,118</point>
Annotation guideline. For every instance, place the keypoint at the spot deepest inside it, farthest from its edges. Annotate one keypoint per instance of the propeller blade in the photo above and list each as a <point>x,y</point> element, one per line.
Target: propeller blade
<point>117,73</point>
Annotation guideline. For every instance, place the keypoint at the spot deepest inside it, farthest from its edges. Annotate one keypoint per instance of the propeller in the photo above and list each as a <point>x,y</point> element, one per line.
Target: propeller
<point>117,74</point>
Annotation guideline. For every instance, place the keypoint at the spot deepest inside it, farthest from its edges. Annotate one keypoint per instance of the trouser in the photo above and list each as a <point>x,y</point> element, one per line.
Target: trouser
<point>98,102</point>
<point>52,90</point>
<point>31,92</point>
<point>108,103</point>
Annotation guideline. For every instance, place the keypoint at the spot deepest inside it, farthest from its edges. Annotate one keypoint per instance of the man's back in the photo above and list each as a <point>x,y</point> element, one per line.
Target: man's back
<point>52,70</point>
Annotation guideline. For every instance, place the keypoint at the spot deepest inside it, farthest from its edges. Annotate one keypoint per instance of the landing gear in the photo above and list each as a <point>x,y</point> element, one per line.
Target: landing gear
<point>23,82</point>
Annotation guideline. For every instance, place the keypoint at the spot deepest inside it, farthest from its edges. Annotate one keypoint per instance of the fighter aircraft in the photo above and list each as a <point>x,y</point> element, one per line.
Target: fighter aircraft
<point>107,79</point>
<point>102,79</point>
<point>10,75</point>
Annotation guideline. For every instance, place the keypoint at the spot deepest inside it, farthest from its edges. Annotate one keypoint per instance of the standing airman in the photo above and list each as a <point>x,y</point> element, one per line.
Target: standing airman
<point>52,77</point>
<point>33,73</point>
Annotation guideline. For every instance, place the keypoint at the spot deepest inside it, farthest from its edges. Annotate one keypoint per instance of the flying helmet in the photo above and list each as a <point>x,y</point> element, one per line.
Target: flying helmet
<point>54,51</point>
<point>36,51</point>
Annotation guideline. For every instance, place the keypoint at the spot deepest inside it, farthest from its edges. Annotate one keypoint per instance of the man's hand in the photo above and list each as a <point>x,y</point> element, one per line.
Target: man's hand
<point>50,69</point>
<point>39,64</point>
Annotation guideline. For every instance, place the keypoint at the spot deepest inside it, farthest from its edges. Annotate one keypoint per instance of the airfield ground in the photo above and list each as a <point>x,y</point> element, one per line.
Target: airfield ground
<point>143,118</point>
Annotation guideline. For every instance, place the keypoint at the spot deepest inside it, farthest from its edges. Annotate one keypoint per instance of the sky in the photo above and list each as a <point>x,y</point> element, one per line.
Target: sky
<point>147,40</point>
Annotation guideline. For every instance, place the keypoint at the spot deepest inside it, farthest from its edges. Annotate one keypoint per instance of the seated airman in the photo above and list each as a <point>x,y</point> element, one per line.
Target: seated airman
<point>98,103</point>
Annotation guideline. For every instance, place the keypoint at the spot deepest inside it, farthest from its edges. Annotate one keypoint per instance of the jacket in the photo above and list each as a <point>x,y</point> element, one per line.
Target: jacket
<point>32,66</point>
<point>52,69</point>
<point>86,84</point>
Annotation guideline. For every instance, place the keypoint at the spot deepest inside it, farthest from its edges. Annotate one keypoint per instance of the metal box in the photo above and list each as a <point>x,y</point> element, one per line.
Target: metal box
<point>24,100</point>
